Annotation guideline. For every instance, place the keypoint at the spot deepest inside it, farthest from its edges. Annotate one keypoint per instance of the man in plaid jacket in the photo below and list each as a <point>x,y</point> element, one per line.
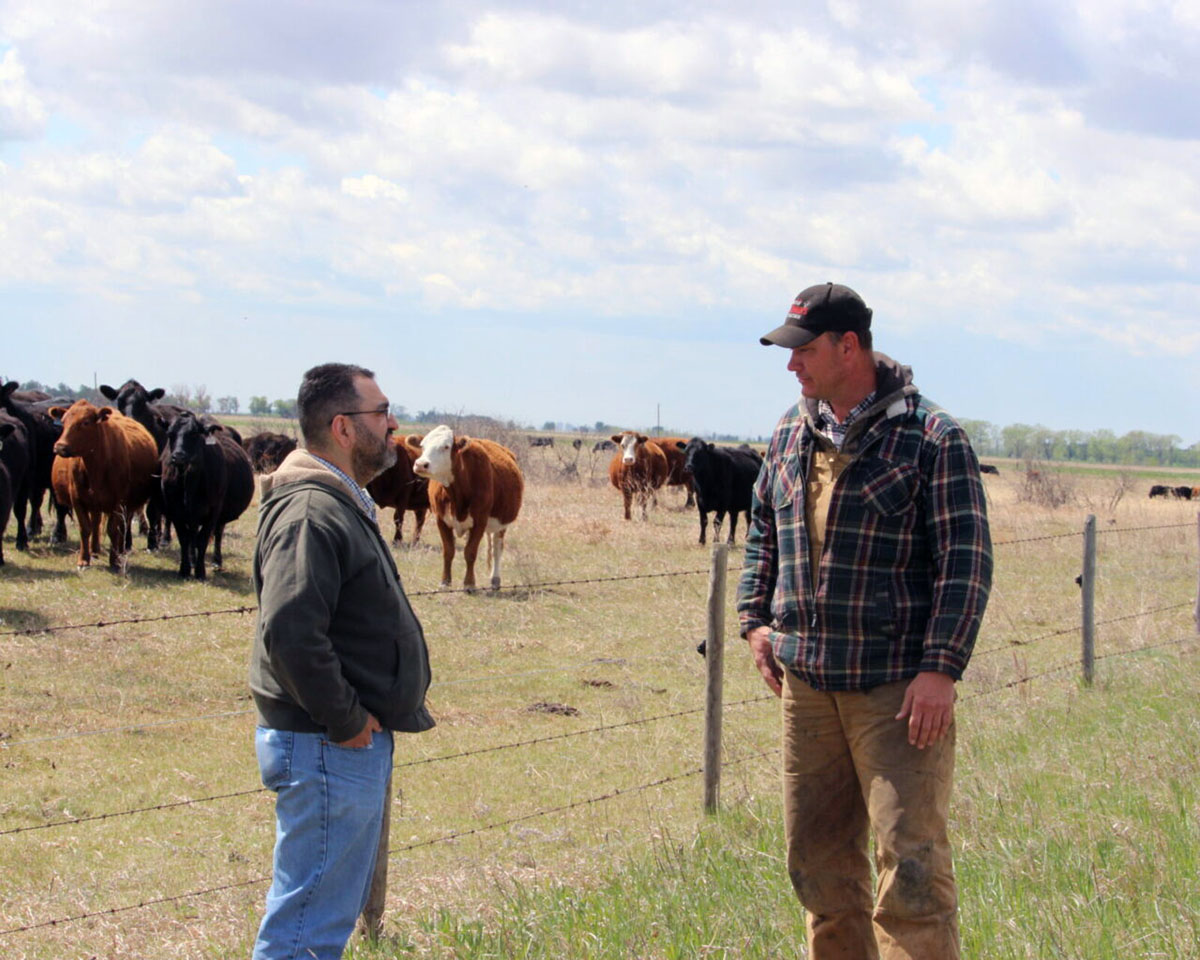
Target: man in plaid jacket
<point>867,570</point>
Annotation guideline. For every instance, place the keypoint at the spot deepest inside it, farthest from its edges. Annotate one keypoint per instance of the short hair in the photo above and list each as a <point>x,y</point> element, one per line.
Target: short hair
<point>864,337</point>
<point>325,391</point>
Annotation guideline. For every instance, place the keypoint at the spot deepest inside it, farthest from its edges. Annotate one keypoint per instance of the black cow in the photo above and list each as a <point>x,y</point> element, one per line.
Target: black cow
<point>144,406</point>
<point>724,481</point>
<point>988,468</point>
<point>267,450</point>
<point>14,469</point>
<point>1182,493</point>
<point>602,445</point>
<point>541,441</point>
<point>1159,490</point>
<point>207,482</point>
<point>41,434</point>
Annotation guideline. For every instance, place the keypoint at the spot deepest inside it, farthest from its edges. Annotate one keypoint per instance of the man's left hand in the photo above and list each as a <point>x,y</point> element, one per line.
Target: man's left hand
<point>929,706</point>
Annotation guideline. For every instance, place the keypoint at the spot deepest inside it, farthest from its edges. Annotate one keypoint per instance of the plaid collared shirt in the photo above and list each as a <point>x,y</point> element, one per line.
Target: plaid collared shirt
<point>364,498</point>
<point>906,566</point>
<point>828,424</point>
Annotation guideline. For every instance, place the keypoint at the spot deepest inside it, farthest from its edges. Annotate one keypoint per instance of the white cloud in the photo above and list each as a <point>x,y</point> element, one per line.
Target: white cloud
<point>22,113</point>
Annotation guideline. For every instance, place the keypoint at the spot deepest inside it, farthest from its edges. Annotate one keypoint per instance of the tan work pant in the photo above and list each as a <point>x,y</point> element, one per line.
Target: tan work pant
<point>847,767</point>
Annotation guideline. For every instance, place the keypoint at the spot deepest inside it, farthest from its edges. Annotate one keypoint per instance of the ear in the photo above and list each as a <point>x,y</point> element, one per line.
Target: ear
<point>108,391</point>
<point>104,413</point>
<point>616,438</point>
<point>8,388</point>
<point>211,428</point>
<point>642,438</point>
<point>157,394</point>
<point>460,442</point>
<point>710,446</point>
<point>679,444</point>
<point>413,440</point>
<point>6,430</point>
<point>57,413</point>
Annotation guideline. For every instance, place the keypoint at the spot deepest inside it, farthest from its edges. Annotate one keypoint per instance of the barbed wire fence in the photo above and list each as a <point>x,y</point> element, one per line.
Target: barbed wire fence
<point>709,770</point>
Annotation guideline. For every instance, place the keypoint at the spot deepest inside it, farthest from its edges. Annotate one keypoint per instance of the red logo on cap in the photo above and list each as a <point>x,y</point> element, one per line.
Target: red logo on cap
<point>798,310</point>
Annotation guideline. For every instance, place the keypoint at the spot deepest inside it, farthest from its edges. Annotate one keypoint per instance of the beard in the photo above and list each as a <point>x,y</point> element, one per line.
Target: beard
<point>371,455</point>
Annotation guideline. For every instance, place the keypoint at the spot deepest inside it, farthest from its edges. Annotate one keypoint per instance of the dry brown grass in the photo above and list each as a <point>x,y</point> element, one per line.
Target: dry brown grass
<point>171,696</point>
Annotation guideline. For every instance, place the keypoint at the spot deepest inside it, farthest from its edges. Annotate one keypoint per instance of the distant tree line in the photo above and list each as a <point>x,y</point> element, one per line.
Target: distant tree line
<point>1024,442</point>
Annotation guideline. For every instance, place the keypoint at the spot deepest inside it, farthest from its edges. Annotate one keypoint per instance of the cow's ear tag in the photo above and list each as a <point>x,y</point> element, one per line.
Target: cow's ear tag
<point>210,441</point>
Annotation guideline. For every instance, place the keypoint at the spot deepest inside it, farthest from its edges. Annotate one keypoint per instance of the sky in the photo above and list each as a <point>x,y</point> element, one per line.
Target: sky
<point>579,212</point>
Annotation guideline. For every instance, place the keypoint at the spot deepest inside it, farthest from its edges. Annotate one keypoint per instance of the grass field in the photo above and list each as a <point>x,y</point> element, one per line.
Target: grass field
<point>1075,812</point>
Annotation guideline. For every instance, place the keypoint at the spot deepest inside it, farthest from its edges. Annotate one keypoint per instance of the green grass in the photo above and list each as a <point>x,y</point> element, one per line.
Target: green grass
<point>1074,815</point>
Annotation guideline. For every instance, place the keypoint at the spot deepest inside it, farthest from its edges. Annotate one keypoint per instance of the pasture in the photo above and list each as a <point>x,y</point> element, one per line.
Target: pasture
<point>131,798</point>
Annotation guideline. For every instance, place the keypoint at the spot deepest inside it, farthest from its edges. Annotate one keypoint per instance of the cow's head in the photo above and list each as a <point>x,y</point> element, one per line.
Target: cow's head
<point>131,397</point>
<point>695,455</point>
<point>438,447</point>
<point>628,442</point>
<point>81,427</point>
<point>187,438</point>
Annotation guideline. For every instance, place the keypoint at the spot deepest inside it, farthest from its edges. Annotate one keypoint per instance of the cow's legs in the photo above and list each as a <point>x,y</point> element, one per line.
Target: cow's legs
<point>496,547</point>
<point>703,523</point>
<point>89,536</point>
<point>448,549</point>
<point>200,548</point>
<point>118,530</point>
<point>471,551</point>
<point>627,492</point>
<point>20,502</point>
<point>218,537</point>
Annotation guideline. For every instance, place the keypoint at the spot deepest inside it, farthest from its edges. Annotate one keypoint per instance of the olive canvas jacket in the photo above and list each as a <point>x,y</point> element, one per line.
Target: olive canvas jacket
<point>335,636</point>
<point>906,566</point>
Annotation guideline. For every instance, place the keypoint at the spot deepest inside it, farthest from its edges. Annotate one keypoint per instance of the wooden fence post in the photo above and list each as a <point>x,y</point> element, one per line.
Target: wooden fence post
<point>714,659</point>
<point>370,924</point>
<point>1196,615</point>
<point>1087,583</point>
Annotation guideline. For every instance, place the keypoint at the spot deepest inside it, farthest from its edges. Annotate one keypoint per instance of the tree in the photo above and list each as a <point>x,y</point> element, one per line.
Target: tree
<point>201,400</point>
<point>259,406</point>
<point>399,412</point>
<point>284,408</point>
<point>227,404</point>
<point>548,426</point>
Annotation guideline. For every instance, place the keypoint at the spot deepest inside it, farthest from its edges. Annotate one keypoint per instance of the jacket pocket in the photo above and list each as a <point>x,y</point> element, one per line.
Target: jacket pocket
<point>890,489</point>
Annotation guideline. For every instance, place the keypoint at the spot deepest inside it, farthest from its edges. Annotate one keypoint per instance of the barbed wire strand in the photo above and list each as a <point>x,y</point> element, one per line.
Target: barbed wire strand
<point>191,895</point>
<point>513,588</point>
<point>497,748</point>
<point>1079,533</point>
<point>1008,645</point>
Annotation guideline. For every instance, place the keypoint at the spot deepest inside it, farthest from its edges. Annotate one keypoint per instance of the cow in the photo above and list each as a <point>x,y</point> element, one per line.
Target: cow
<point>14,468</point>
<point>475,487</point>
<point>109,465</point>
<point>1182,493</point>
<point>267,450</point>
<point>1196,493</point>
<point>988,468</point>
<point>724,479</point>
<point>1159,490</point>
<point>677,476</point>
<point>398,487</point>
<point>207,482</point>
<point>601,446</point>
<point>40,436</point>
<point>541,441</point>
<point>639,468</point>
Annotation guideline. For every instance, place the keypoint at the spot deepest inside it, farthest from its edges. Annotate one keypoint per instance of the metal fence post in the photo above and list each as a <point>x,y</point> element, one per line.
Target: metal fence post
<point>1087,583</point>
<point>714,658</point>
<point>370,923</point>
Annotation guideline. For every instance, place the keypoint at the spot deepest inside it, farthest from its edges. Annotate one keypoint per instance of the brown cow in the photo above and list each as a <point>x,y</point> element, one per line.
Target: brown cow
<point>672,447</point>
<point>475,487</point>
<point>638,467</point>
<point>105,463</point>
<point>400,488</point>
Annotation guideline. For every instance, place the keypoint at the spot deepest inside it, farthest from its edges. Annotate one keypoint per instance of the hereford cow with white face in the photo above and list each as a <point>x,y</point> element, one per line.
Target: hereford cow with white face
<point>638,467</point>
<point>475,487</point>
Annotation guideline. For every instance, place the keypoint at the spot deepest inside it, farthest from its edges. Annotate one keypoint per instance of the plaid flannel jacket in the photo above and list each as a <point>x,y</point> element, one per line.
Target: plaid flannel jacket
<point>906,567</point>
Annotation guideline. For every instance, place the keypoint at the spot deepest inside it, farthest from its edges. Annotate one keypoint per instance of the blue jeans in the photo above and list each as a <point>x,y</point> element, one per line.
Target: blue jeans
<point>328,812</point>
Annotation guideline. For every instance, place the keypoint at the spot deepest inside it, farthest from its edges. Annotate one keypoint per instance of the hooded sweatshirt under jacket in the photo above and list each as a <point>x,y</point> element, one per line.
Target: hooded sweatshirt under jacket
<point>335,635</point>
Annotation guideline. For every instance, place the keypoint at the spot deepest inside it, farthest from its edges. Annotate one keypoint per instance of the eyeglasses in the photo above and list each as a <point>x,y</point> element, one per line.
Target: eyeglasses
<point>383,410</point>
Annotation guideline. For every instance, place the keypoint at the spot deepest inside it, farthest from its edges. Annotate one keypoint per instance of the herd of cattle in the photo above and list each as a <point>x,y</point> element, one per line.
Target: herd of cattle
<point>1179,493</point>
<point>180,470</point>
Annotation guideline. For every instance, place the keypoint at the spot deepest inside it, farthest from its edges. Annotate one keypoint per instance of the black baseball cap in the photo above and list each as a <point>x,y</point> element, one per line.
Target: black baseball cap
<point>819,309</point>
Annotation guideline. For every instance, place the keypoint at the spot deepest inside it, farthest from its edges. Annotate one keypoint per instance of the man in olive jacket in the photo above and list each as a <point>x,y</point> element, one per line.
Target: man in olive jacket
<point>339,662</point>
